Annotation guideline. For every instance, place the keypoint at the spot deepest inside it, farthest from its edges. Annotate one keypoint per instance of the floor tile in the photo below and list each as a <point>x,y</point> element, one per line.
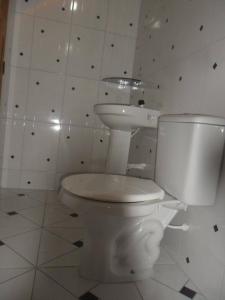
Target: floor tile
<point>39,195</point>
<point>170,275</point>
<point>9,259</point>
<point>19,288</point>
<point>17,203</point>
<point>164,258</point>
<point>70,234</point>
<point>34,214</point>
<point>52,246</point>
<point>70,280</point>
<point>6,274</point>
<point>117,292</point>
<point>55,214</point>
<point>13,225</point>
<point>26,244</point>
<point>47,289</point>
<point>150,289</point>
<point>69,222</point>
<point>71,259</point>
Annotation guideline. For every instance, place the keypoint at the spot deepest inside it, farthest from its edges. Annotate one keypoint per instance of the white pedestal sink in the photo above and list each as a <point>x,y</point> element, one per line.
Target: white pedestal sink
<point>123,120</point>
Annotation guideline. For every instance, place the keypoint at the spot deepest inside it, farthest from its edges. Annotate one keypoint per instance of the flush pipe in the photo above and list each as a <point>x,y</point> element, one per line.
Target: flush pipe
<point>183,227</point>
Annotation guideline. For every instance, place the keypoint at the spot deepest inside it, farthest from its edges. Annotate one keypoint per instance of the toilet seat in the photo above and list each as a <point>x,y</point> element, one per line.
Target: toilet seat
<point>113,188</point>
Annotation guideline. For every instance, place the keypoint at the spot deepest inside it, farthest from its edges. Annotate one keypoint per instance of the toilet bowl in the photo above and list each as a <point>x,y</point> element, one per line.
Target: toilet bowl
<point>124,219</point>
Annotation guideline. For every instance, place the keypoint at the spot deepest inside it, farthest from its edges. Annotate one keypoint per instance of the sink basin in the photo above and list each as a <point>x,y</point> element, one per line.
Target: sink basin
<point>126,117</point>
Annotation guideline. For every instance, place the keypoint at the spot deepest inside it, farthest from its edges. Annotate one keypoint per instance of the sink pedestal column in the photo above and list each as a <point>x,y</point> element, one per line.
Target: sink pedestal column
<point>118,152</point>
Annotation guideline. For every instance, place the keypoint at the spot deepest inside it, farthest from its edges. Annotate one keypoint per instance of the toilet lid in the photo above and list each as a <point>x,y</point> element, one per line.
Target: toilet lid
<point>112,188</point>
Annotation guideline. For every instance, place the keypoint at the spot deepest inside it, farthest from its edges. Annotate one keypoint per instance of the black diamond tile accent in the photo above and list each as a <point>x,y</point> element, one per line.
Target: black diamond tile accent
<point>188,292</point>
<point>12,213</point>
<point>187,260</point>
<point>215,227</point>
<point>88,296</point>
<point>215,66</point>
<point>1,243</point>
<point>74,215</point>
<point>79,244</point>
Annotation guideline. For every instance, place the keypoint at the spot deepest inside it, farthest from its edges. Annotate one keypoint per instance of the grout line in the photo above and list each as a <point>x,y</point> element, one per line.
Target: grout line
<point>17,275</point>
<point>139,292</point>
<point>58,283</point>
<point>59,256</point>
<point>39,246</point>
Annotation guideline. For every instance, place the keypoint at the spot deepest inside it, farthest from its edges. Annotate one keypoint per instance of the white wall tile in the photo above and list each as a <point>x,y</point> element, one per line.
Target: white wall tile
<point>40,146</point>
<point>90,13</point>
<point>13,146</point>
<point>85,52</point>
<point>18,88</point>
<point>75,149</point>
<point>45,96</point>
<point>79,99</point>
<point>10,178</point>
<point>100,150</point>
<point>22,40</point>
<point>118,56</point>
<point>37,180</point>
<point>57,10</point>
<point>50,45</point>
<point>59,45</point>
<point>26,7</point>
<point>123,16</point>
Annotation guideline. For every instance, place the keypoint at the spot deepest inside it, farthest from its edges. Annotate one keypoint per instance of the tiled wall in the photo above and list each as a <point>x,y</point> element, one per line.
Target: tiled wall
<point>60,51</point>
<point>181,48</point>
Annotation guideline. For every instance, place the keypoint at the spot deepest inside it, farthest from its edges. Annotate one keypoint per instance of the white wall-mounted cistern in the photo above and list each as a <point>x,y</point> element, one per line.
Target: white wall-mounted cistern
<point>123,120</point>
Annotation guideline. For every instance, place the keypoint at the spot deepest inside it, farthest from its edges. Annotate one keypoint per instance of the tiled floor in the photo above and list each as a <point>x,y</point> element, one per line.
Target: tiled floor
<point>40,245</point>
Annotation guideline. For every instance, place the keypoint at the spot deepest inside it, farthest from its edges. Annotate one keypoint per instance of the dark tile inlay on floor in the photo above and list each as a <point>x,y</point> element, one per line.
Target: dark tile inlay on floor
<point>79,244</point>
<point>74,215</point>
<point>12,213</point>
<point>88,296</point>
<point>2,243</point>
<point>188,292</point>
<point>21,195</point>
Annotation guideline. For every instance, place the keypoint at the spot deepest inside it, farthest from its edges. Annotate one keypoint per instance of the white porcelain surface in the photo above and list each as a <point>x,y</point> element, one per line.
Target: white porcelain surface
<point>126,117</point>
<point>112,188</point>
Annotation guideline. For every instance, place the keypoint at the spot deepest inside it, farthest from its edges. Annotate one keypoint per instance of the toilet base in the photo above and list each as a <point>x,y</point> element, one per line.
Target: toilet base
<point>120,244</point>
<point>117,249</point>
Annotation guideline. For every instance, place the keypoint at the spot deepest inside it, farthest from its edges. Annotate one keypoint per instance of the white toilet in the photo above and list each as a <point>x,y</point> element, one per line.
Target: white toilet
<point>125,217</point>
